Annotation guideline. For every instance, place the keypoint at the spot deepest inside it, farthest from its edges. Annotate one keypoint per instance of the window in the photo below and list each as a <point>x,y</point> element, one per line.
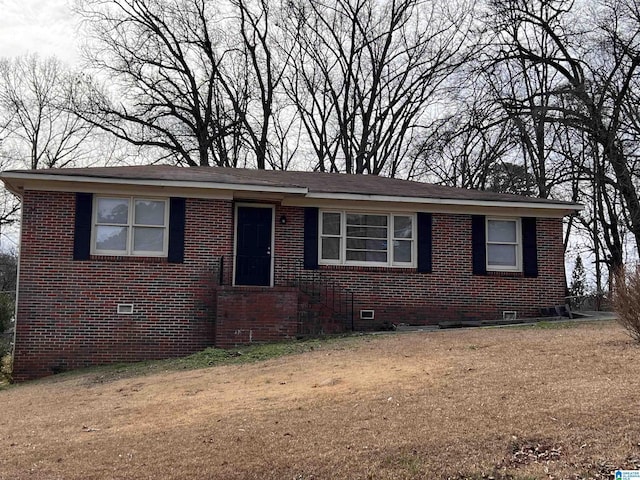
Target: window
<point>331,243</point>
<point>353,238</point>
<point>367,238</point>
<point>130,226</point>
<point>402,239</point>
<point>503,244</point>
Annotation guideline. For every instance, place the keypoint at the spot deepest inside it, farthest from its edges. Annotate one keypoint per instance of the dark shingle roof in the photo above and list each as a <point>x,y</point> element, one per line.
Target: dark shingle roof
<point>315,182</point>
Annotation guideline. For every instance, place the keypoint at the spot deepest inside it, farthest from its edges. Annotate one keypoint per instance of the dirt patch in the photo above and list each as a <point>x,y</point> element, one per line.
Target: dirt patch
<point>502,403</point>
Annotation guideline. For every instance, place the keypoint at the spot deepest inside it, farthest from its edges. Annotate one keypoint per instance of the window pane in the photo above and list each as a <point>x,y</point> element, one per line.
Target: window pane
<point>148,239</point>
<point>402,227</point>
<point>111,238</point>
<point>356,244</point>
<point>370,232</point>
<point>370,220</point>
<point>402,251</point>
<point>149,212</point>
<point>331,224</point>
<point>502,231</point>
<point>356,255</point>
<point>331,248</point>
<point>366,244</point>
<point>501,255</point>
<point>113,210</point>
<point>366,256</point>
<point>377,257</point>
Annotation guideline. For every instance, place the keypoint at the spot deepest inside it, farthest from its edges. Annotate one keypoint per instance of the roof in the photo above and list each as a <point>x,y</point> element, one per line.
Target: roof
<point>309,184</point>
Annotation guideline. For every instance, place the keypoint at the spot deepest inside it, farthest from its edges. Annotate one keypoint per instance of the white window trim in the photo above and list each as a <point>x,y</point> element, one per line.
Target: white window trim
<point>363,263</point>
<point>390,238</point>
<point>342,242</point>
<point>413,239</point>
<point>518,244</point>
<point>129,252</point>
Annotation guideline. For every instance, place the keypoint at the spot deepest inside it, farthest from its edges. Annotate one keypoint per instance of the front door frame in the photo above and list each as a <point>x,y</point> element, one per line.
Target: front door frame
<point>235,237</point>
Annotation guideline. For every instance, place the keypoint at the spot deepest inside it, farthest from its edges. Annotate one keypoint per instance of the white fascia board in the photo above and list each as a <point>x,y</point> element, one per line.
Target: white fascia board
<point>27,177</point>
<point>445,201</point>
<point>511,209</point>
<point>137,189</point>
<point>128,189</point>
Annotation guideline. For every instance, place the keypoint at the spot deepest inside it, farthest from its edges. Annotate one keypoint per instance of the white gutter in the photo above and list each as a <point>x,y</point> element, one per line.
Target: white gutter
<point>153,183</point>
<point>443,201</point>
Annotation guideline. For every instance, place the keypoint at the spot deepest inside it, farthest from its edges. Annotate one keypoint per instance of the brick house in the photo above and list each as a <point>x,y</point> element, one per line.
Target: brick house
<point>133,263</point>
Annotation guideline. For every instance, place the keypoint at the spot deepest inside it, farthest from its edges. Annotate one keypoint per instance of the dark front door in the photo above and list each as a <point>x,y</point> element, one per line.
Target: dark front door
<point>253,246</point>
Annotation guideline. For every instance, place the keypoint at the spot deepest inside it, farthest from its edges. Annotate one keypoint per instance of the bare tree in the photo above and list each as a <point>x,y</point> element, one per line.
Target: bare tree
<point>37,127</point>
<point>525,90</point>
<point>197,79</point>
<point>8,204</point>
<point>589,81</point>
<point>366,72</point>
<point>252,76</point>
<point>35,100</point>
<point>162,59</point>
<point>463,148</point>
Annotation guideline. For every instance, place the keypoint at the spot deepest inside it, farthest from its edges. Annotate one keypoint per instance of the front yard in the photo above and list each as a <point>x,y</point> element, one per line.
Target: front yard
<point>513,403</point>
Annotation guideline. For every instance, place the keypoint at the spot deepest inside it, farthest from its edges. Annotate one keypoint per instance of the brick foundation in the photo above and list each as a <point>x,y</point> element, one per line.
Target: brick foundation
<point>248,315</point>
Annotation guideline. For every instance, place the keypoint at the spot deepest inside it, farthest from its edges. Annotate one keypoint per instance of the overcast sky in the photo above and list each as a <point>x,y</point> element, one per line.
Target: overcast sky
<point>45,27</point>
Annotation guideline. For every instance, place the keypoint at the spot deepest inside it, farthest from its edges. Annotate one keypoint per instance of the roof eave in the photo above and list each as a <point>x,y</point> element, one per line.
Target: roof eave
<point>16,181</point>
<point>567,207</point>
<point>11,179</point>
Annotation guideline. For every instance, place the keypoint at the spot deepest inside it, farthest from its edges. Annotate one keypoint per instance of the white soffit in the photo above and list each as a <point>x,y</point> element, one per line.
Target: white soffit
<point>435,205</point>
<point>18,182</point>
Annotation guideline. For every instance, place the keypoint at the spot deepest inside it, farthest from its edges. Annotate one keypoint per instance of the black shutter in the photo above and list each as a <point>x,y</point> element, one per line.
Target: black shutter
<point>529,247</point>
<point>311,238</point>
<point>176,230</point>
<point>424,242</point>
<point>478,245</point>
<point>82,234</point>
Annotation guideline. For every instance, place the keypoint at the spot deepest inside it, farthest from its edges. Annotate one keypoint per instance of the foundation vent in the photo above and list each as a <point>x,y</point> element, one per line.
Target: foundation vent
<point>367,314</point>
<point>125,308</point>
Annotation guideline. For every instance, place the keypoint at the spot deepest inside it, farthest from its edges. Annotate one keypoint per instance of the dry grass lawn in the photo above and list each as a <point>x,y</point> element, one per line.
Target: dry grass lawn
<point>517,403</point>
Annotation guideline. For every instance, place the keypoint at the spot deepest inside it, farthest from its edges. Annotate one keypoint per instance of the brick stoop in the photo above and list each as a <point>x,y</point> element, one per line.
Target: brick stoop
<point>246,315</point>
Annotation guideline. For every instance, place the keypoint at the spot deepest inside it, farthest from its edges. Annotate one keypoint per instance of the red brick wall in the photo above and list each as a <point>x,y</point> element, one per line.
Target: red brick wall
<point>451,292</point>
<point>67,309</point>
<point>255,314</point>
